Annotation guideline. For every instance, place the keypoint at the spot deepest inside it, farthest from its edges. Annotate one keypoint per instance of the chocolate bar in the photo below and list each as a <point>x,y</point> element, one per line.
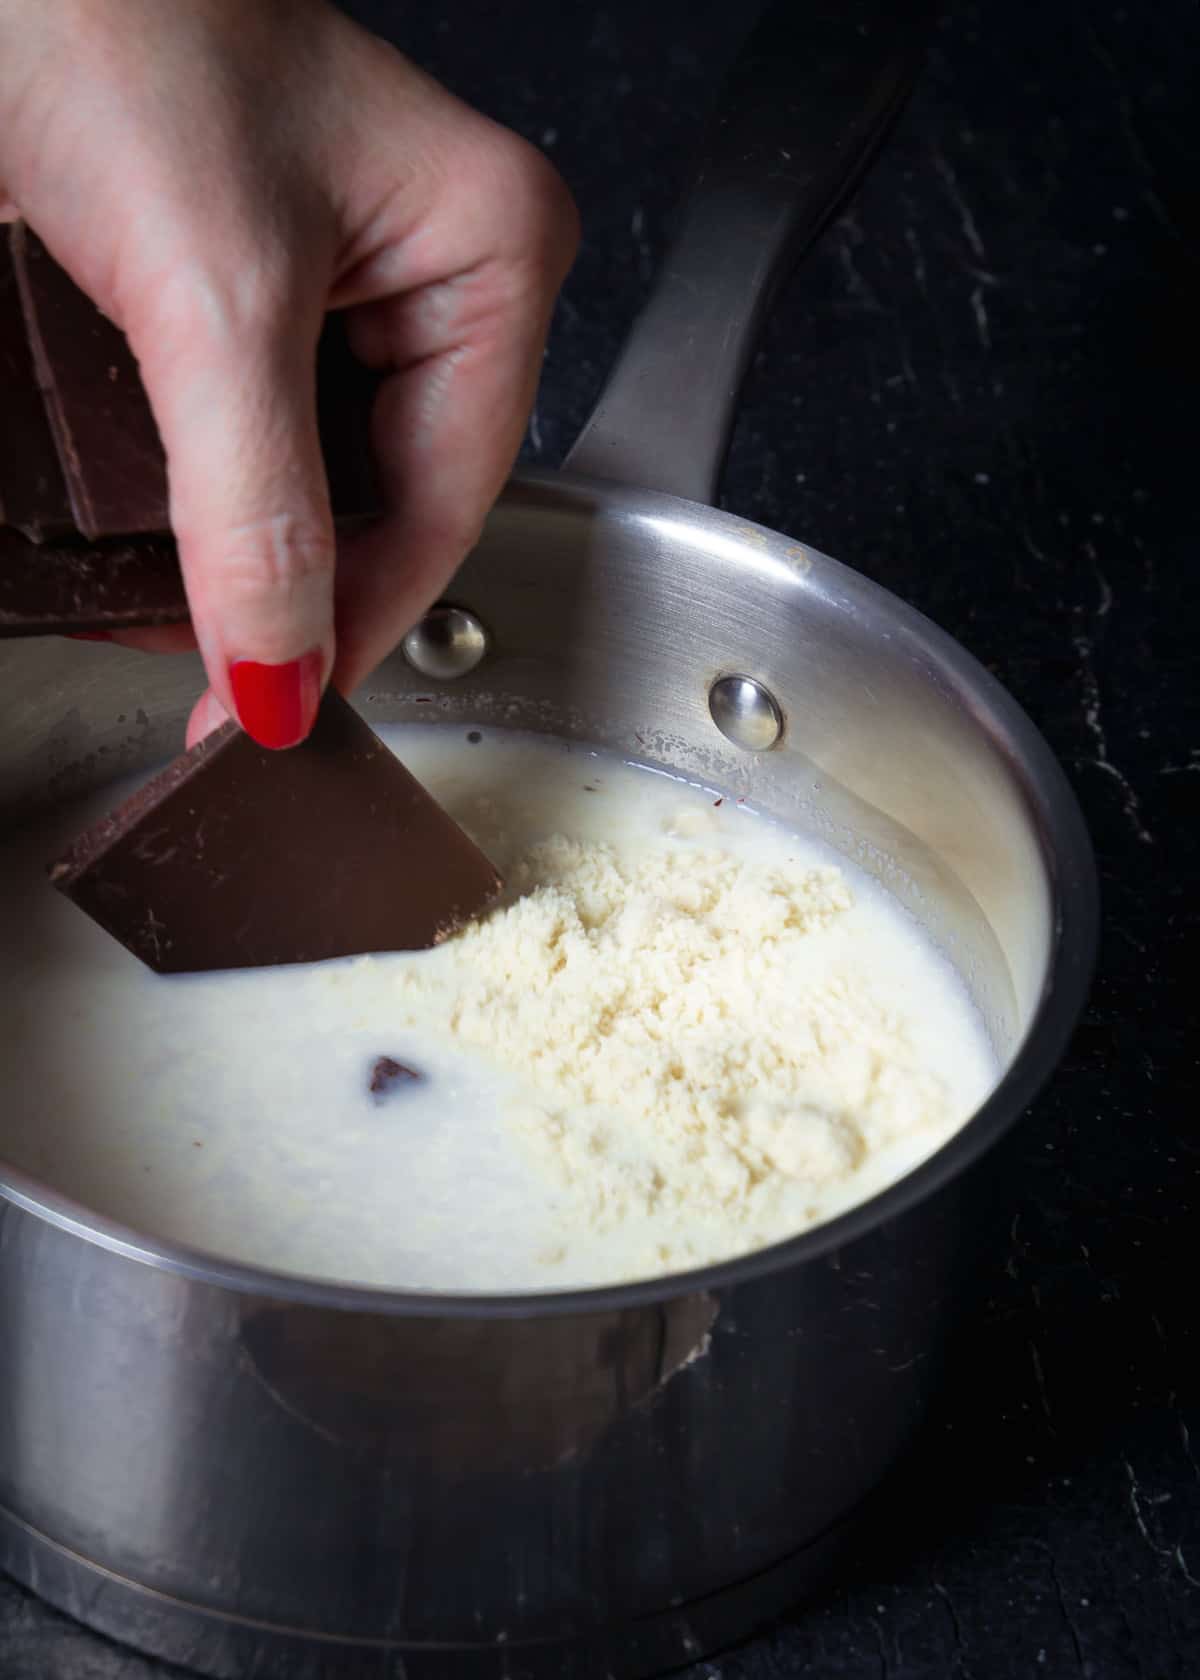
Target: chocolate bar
<point>108,446</point>
<point>82,468</point>
<point>33,493</point>
<point>114,585</point>
<point>235,857</point>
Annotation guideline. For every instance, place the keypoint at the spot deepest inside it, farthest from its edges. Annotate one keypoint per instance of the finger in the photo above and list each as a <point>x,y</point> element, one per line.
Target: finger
<point>446,430</point>
<point>465,355</point>
<point>229,370</point>
<point>163,638</point>
<point>207,714</point>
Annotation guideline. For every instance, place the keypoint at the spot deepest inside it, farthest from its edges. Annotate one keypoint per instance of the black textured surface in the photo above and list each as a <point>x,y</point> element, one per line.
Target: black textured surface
<point>977,391</point>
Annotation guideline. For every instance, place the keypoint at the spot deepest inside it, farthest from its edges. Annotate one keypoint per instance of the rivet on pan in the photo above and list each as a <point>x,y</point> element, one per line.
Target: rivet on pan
<point>448,642</point>
<point>745,713</point>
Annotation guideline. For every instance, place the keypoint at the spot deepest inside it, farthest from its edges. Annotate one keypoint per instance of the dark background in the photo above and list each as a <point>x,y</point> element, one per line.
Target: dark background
<point>979,390</point>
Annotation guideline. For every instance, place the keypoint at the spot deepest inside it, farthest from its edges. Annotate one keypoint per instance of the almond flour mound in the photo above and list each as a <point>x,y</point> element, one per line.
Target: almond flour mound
<point>698,1034</point>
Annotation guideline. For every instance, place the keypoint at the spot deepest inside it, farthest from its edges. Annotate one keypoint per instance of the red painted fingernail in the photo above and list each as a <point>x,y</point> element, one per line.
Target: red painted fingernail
<point>89,635</point>
<point>276,704</point>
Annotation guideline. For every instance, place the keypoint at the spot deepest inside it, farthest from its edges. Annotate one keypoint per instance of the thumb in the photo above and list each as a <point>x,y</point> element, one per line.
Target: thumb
<point>206,715</point>
<point>233,392</point>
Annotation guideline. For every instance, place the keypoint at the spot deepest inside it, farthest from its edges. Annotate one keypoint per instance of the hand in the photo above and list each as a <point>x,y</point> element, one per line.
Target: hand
<point>216,176</point>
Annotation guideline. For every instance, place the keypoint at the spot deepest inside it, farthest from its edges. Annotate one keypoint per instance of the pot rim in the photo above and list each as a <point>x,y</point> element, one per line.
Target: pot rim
<point>1066,849</point>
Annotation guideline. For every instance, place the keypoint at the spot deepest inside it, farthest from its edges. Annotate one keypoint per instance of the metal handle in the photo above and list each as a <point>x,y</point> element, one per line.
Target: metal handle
<point>811,96</point>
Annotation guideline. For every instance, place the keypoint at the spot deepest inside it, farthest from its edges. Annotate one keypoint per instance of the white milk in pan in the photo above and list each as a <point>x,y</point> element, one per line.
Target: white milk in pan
<point>684,1034</point>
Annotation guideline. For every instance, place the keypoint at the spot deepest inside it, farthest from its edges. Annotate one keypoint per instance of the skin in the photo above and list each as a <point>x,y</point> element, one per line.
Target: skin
<point>218,175</point>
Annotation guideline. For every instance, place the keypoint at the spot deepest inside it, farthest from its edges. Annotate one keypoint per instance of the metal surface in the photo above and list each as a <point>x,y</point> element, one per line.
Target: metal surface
<point>447,643</point>
<point>184,1633</point>
<point>745,712</point>
<point>255,1473</point>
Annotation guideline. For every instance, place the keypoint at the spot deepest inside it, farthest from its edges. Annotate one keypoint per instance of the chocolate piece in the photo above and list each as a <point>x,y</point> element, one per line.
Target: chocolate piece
<point>113,585</point>
<point>33,495</point>
<point>236,857</point>
<point>108,448</point>
<point>388,1075</point>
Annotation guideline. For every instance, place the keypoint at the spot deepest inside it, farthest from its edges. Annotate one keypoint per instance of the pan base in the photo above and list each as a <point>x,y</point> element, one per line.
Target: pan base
<point>228,1647</point>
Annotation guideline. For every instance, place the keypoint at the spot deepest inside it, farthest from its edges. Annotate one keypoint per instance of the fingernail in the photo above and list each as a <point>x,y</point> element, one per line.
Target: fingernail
<point>89,635</point>
<point>276,704</point>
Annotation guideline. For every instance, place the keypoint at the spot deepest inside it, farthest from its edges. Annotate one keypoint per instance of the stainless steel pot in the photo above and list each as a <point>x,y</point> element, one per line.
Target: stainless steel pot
<point>257,1474</point>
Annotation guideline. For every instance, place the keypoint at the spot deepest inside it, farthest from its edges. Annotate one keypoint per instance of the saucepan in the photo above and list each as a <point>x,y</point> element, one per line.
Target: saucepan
<point>253,1473</point>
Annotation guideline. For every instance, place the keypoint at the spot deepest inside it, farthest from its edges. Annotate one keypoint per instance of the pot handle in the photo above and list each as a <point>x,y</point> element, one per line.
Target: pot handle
<point>811,96</point>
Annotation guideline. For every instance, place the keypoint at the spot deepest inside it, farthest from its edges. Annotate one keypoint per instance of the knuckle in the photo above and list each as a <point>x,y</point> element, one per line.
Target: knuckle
<point>540,211</point>
<point>192,306</point>
<point>266,557</point>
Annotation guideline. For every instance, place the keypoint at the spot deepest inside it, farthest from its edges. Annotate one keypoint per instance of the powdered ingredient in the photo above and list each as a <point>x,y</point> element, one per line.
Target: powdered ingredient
<point>705,1042</point>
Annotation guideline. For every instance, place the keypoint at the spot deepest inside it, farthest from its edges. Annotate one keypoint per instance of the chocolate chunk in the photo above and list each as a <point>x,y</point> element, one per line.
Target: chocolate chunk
<point>387,1075</point>
<point>113,585</point>
<point>108,447</point>
<point>236,857</point>
<point>33,494</point>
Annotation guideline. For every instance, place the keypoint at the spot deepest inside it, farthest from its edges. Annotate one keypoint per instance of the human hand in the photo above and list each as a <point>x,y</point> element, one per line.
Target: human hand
<point>216,176</point>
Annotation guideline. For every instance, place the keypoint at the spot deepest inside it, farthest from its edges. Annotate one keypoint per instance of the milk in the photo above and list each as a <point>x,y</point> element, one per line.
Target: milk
<point>232,1113</point>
